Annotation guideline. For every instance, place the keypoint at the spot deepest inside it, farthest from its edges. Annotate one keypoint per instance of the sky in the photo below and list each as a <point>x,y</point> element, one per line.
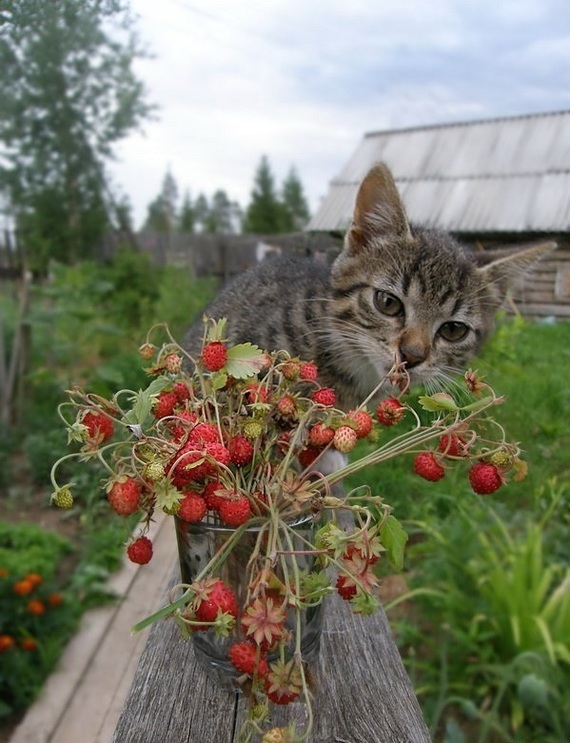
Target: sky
<point>301,82</point>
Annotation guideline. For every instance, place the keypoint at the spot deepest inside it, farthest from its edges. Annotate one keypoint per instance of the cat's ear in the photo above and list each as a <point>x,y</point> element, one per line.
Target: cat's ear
<point>502,269</point>
<point>378,209</point>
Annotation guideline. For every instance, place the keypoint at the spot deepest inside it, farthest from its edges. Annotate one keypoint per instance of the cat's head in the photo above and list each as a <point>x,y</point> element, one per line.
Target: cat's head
<point>414,295</point>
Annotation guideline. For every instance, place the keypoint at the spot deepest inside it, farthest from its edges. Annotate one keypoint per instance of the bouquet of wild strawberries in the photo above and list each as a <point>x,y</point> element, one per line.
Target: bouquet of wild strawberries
<point>240,438</point>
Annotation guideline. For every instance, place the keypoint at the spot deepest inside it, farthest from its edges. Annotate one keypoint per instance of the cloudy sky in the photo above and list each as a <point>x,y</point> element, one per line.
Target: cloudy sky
<point>301,81</point>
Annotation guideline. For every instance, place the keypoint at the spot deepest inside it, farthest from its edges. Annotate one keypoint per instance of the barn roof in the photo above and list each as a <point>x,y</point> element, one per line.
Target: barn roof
<point>495,175</point>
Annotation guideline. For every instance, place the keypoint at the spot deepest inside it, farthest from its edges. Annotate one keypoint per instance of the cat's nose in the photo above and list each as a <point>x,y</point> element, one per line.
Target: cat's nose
<point>412,355</point>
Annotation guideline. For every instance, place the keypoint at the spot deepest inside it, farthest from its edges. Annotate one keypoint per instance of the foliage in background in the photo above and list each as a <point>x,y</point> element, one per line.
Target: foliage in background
<point>69,94</point>
<point>485,634</point>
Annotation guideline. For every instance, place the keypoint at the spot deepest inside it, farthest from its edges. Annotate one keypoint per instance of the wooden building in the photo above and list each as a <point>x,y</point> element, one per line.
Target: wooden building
<point>493,183</point>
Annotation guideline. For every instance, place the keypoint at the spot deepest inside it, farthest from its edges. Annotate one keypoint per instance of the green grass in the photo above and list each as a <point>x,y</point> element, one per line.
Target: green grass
<point>487,643</point>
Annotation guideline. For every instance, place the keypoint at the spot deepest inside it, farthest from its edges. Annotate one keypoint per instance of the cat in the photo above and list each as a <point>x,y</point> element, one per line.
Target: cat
<point>396,294</point>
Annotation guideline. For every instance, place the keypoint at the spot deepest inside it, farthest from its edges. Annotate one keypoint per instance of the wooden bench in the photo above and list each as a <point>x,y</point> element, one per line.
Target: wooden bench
<point>362,692</point>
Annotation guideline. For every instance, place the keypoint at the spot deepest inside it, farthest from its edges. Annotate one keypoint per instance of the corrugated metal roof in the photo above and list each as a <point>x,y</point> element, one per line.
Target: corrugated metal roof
<point>495,175</point>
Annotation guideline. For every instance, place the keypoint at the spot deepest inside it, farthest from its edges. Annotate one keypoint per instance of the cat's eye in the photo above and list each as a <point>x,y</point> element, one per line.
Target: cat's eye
<point>453,331</point>
<point>388,304</point>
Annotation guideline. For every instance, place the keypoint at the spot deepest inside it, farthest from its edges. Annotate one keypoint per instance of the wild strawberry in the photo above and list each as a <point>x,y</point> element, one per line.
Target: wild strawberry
<point>154,471</point>
<point>252,429</point>
<point>235,512</point>
<point>173,363</point>
<point>218,453</point>
<point>501,459</point>
<point>182,391</point>
<point>284,682</point>
<point>99,426</point>
<point>325,396</point>
<point>214,597</point>
<point>485,478</point>
<point>263,622</point>
<point>246,658</point>
<point>255,392</point>
<point>165,404</point>
<point>277,735</point>
<point>212,497</point>
<point>287,407</point>
<point>390,411</point>
<point>29,644</point>
<point>124,495</point>
<point>291,370</point>
<point>241,450</point>
<point>147,351</point>
<point>427,466</point>
<point>204,432</point>
<point>140,551</point>
<point>308,372</point>
<point>214,356</point>
<point>192,508</point>
<point>344,439</point>
<point>345,587</point>
<point>452,445</point>
<point>362,422</point>
<point>308,455</point>
<point>320,435</point>
<point>62,498</point>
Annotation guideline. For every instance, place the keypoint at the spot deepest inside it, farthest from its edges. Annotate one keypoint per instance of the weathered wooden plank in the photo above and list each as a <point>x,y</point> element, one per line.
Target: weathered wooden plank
<point>362,692</point>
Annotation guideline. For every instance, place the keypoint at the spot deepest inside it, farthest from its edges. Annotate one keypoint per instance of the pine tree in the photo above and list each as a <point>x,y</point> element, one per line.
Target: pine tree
<point>162,212</point>
<point>265,214</point>
<point>295,202</point>
<point>187,219</point>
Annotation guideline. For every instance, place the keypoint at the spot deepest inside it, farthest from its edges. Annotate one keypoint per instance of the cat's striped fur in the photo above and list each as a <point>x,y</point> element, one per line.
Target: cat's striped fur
<point>395,293</point>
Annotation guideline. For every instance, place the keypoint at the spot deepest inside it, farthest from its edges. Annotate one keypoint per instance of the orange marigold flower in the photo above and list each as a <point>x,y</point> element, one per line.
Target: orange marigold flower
<point>55,599</point>
<point>23,587</point>
<point>34,578</point>
<point>29,644</point>
<point>6,642</point>
<point>35,606</point>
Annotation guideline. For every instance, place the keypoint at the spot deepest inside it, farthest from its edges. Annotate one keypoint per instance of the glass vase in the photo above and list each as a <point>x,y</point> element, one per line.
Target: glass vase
<point>198,543</point>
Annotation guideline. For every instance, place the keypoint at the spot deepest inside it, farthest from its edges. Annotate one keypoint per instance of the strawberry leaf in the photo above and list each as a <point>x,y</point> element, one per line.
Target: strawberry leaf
<point>394,539</point>
<point>143,400</point>
<point>244,360</point>
<point>441,401</point>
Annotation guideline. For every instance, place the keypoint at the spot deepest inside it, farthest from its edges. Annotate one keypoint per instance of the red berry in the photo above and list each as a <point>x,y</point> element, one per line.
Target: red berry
<point>214,356</point>
<point>325,396</point>
<point>209,494</point>
<point>182,391</point>
<point>193,507</point>
<point>452,445</point>
<point>363,422</point>
<point>255,392</point>
<point>204,432</point>
<point>124,496</point>
<point>100,426</point>
<point>246,658</point>
<point>308,372</point>
<point>235,512</point>
<point>345,439</point>
<point>427,466</point>
<point>218,598</point>
<point>485,478</point>
<point>241,450</point>
<point>320,435</point>
<point>165,404</point>
<point>390,411</point>
<point>140,551</point>
<point>345,588</point>
<point>308,456</point>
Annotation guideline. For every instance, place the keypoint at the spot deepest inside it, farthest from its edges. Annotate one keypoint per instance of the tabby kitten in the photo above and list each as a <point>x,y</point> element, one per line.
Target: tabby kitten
<point>394,294</point>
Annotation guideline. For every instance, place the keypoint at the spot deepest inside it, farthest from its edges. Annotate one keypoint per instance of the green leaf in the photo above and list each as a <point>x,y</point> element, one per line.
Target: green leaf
<point>394,538</point>
<point>143,400</point>
<point>244,360</point>
<point>441,401</point>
